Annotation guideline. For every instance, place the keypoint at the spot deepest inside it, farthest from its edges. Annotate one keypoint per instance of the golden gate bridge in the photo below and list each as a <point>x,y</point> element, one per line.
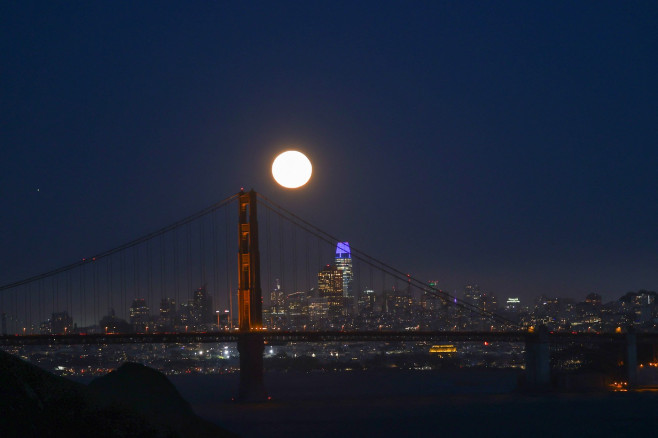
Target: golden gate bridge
<point>208,294</point>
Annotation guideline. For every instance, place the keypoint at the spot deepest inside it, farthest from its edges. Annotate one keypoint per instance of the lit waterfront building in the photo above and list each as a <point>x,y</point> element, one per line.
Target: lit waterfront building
<point>445,350</point>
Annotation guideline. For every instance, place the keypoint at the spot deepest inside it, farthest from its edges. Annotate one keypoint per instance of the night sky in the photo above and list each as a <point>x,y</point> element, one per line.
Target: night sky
<point>511,144</point>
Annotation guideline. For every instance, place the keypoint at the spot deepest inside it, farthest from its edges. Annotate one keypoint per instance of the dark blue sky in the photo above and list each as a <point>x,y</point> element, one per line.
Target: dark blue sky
<point>513,144</point>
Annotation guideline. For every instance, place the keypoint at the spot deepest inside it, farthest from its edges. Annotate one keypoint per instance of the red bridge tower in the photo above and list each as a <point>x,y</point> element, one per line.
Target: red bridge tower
<point>250,302</point>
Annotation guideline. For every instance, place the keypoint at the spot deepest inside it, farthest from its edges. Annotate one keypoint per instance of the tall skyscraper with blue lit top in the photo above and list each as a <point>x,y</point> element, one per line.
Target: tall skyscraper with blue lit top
<point>344,264</point>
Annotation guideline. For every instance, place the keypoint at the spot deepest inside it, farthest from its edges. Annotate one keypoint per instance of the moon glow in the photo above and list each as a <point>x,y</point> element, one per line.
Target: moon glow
<point>291,169</point>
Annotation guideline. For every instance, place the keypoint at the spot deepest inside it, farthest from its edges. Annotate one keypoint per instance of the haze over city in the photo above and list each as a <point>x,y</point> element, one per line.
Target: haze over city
<point>509,145</point>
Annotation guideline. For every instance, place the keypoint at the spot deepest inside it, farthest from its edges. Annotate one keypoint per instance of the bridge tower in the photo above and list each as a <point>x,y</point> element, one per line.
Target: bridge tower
<point>250,302</point>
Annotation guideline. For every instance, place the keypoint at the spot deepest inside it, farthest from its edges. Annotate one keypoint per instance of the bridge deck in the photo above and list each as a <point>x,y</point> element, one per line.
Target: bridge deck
<point>313,336</point>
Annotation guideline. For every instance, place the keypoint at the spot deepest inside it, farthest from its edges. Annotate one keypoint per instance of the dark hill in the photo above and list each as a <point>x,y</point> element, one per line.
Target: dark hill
<point>36,403</point>
<point>32,401</point>
<point>150,393</point>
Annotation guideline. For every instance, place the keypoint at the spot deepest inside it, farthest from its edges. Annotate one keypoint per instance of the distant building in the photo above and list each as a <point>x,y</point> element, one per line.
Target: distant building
<point>167,318</point>
<point>367,301</point>
<point>298,309</point>
<point>185,314</point>
<point>397,302</point>
<point>593,299</point>
<point>61,323</point>
<point>111,324</point>
<point>202,307</point>
<point>430,299</point>
<point>488,302</point>
<point>319,309</point>
<point>513,304</point>
<point>277,298</point>
<point>444,350</point>
<point>139,315</point>
<point>330,286</point>
<point>344,264</point>
<point>472,294</point>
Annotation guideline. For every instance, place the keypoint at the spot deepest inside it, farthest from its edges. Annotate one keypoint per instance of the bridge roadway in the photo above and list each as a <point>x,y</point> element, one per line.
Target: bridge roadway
<point>280,337</point>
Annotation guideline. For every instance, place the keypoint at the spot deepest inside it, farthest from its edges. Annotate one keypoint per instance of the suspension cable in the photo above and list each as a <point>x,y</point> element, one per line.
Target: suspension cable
<point>117,249</point>
<point>378,264</point>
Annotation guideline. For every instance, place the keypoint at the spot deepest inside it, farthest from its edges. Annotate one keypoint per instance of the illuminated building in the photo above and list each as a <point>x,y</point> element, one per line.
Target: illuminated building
<point>330,286</point>
<point>472,294</point>
<point>344,264</point>
<point>593,299</point>
<point>139,314</point>
<point>442,351</point>
<point>298,309</point>
<point>111,324</point>
<point>202,307</point>
<point>367,301</point>
<point>488,302</point>
<point>397,302</point>
<point>277,298</point>
<point>167,313</point>
<point>485,301</point>
<point>197,311</point>
<point>513,304</point>
<point>318,309</point>
<point>430,300</point>
<point>61,323</point>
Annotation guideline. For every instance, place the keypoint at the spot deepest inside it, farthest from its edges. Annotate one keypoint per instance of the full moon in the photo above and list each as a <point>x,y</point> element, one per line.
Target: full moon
<point>291,169</point>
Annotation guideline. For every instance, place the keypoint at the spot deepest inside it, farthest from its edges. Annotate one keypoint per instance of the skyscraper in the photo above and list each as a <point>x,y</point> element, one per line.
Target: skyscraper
<point>367,301</point>
<point>167,313</point>
<point>330,286</point>
<point>472,294</point>
<point>277,298</point>
<point>139,315</point>
<point>344,264</point>
<point>202,307</point>
<point>61,323</point>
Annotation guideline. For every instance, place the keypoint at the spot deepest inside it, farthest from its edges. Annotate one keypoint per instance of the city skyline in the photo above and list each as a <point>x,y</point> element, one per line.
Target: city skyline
<point>188,254</point>
<point>326,305</point>
<point>509,145</point>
